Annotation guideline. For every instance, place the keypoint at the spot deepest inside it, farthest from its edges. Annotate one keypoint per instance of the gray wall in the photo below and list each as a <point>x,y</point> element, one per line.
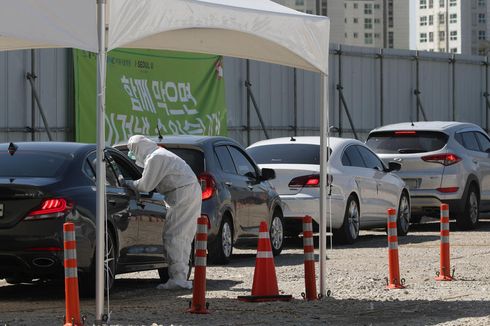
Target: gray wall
<point>378,87</point>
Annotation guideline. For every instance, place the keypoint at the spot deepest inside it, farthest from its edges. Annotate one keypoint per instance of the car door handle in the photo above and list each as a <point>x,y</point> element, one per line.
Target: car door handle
<point>228,183</point>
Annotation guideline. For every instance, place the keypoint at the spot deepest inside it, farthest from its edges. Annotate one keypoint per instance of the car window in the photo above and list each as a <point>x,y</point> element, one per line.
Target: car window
<point>29,163</point>
<point>286,154</point>
<point>242,164</point>
<point>123,167</point>
<point>371,160</point>
<point>484,142</point>
<point>225,160</point>
<point>194,158</point>
<point>469,141</point>
<point>110,175</point>
<point>87,167</point>
<point>405,142</point>
<point>353,157</point>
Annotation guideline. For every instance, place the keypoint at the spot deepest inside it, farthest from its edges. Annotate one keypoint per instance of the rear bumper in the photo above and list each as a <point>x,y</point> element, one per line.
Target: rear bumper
<point>430,205</point>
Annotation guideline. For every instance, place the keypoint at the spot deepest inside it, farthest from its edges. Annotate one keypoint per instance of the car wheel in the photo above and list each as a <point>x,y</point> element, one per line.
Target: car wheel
<point>349,231</point>
<point>276,233</point>
<point>471,214</point>
<point>221,249</point>
<point>403,219</point>
<point>87,287</point>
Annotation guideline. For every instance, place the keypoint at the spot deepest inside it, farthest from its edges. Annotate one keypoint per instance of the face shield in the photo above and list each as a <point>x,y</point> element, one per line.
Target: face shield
<point>133,157</point>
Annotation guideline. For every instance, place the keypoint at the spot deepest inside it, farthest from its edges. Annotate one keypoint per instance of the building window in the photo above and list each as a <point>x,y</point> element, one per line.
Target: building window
<point>482,3</point>
<point>390,40</point>
<point>482,19</point>
<point>345,35</point>
<point>442,3</point>
<point>431,20</point>
<point>481,35</point>
<point>376,6</point>
<point>368,38</point>
<point>453,3</point>
<point>423,4</point>
<point>300,2</point>
<point>453,35</point>
<point>431,36</point>
<point>355,35</point>
<point>377,21</point>
<point>453,18</point>
<point>431,4</point>
<point>355,5</point>
<point>454,50</point>
<point>309,11</point>
<point>423,37</point>
<point>442,18</point>
<point>368,23</point>
<point>423,21</point>
<point>442,36</point>
<point>377,35</point>
<point>368,8</point>
<point>355,20</point>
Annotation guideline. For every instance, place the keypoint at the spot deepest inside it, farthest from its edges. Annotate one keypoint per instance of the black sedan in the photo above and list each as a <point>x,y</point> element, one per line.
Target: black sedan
<point>43,185</point>
<point>236,194</point>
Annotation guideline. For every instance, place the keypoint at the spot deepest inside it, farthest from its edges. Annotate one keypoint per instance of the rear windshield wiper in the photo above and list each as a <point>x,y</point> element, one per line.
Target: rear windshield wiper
<point>411,150</point>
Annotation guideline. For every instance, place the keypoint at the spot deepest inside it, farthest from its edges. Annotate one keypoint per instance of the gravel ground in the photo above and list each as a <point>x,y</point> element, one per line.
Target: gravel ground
<point>355,275</point>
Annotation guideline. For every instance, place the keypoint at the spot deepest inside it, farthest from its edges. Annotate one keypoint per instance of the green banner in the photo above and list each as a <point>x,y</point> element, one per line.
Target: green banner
<point>179,93</point>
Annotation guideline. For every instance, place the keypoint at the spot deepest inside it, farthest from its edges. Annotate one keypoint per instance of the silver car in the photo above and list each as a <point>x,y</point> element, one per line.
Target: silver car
<point>362,186</point>
<point>442,162</point>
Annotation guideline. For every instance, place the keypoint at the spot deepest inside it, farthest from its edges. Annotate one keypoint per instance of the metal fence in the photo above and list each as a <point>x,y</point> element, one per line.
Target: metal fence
<point>367,88</point>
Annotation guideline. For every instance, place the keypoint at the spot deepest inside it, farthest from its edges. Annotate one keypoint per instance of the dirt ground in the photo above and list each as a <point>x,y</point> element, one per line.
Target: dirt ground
<point>355,275</point>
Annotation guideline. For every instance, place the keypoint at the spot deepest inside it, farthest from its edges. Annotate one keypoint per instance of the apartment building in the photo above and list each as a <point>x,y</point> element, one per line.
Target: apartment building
<point>458,26</point>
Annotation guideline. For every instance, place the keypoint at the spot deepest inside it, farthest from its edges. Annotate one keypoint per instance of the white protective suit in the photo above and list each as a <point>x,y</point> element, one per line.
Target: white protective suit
<point>170,175</point>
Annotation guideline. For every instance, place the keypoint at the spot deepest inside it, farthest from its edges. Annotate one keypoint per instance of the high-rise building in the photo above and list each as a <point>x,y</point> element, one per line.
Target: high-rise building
<point>458,26</point>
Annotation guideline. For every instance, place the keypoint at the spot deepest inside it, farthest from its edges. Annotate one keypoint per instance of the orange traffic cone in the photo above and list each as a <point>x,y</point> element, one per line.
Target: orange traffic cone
<point>445,265</point>
<point>264,286</point>
<point>72,304</point>
<point>394,281</point>
<point>199,305</point>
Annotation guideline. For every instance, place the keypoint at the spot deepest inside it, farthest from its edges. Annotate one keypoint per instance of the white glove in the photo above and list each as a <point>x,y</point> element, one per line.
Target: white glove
<point>173,284</point>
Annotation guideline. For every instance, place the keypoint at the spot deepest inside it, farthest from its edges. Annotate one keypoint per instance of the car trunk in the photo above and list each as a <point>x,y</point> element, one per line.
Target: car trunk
<point>286,172</point>
<point>411,149</point>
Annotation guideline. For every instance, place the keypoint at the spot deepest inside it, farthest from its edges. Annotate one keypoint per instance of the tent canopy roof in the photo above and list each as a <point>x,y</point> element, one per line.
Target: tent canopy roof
<point>253,29</point>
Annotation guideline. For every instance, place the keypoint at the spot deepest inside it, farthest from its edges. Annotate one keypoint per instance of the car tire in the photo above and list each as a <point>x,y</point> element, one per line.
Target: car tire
<point>403,218</point>
<point>163,272</point>
<point>276,233</point>
<point>221,249</point>
<point>349,231</point>
<point>87,288</point>
<point>471,213</point>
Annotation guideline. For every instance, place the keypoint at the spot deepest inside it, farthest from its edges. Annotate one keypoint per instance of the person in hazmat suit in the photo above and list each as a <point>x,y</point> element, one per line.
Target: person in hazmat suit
<point>170,175</point>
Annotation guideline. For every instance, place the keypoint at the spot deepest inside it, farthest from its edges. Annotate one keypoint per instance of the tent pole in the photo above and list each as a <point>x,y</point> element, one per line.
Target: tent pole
<point>324,134</point>
<point>100,167</point>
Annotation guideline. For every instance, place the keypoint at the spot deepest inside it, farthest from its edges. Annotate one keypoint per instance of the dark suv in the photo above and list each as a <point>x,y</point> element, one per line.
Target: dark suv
<point>236,194</point>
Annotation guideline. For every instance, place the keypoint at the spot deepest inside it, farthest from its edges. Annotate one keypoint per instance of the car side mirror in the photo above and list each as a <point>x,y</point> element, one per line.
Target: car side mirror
<point>268,174</point>
<point>394,166</point>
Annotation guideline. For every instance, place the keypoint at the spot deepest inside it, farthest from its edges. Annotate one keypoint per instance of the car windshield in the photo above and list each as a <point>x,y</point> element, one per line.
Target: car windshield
<point>286,154</point>
<point>406,142</point>
<point>33,164</point>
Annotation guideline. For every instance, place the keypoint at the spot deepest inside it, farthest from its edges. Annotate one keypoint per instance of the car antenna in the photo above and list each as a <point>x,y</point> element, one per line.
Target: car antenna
<point>292,138</point>
<point>12,149</point>
<point>160,137</point>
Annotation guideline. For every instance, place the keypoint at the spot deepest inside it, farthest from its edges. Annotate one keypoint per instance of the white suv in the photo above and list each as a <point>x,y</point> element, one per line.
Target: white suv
<point>442,162</point>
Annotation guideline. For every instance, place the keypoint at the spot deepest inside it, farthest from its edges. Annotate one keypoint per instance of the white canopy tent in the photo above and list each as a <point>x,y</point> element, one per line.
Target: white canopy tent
<point>254,29</point>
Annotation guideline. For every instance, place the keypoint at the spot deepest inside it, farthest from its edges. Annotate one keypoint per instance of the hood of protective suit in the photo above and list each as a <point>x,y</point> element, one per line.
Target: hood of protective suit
<point>141,147</point>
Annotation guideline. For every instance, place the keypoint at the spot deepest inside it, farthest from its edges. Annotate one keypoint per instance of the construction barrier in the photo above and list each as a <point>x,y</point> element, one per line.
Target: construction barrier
<point>394,281</point>
<point>445,265</point>
<point>72,301</point>
<point>309,251</point>
<point>199,305</point>
<point>264,286</point>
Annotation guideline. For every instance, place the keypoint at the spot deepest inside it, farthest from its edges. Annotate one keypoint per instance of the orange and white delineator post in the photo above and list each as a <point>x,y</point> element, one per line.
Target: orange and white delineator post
<point>309,251</point>
<point>445,265</point>
<point>394,281</point>
<point>198,305</point>
<point>72,301</point>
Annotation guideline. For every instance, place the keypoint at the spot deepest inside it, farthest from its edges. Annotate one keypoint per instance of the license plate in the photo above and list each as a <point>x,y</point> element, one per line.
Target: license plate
<point>1,210</point>
<point>412,183</point>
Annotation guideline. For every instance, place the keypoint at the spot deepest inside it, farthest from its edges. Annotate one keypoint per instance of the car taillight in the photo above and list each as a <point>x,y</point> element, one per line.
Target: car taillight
<point>312,181</point>
<point>447,190</point>
<point>50,208</point>
<point>444,159</point>
<point>208,185</point>
<point>405,132</point>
